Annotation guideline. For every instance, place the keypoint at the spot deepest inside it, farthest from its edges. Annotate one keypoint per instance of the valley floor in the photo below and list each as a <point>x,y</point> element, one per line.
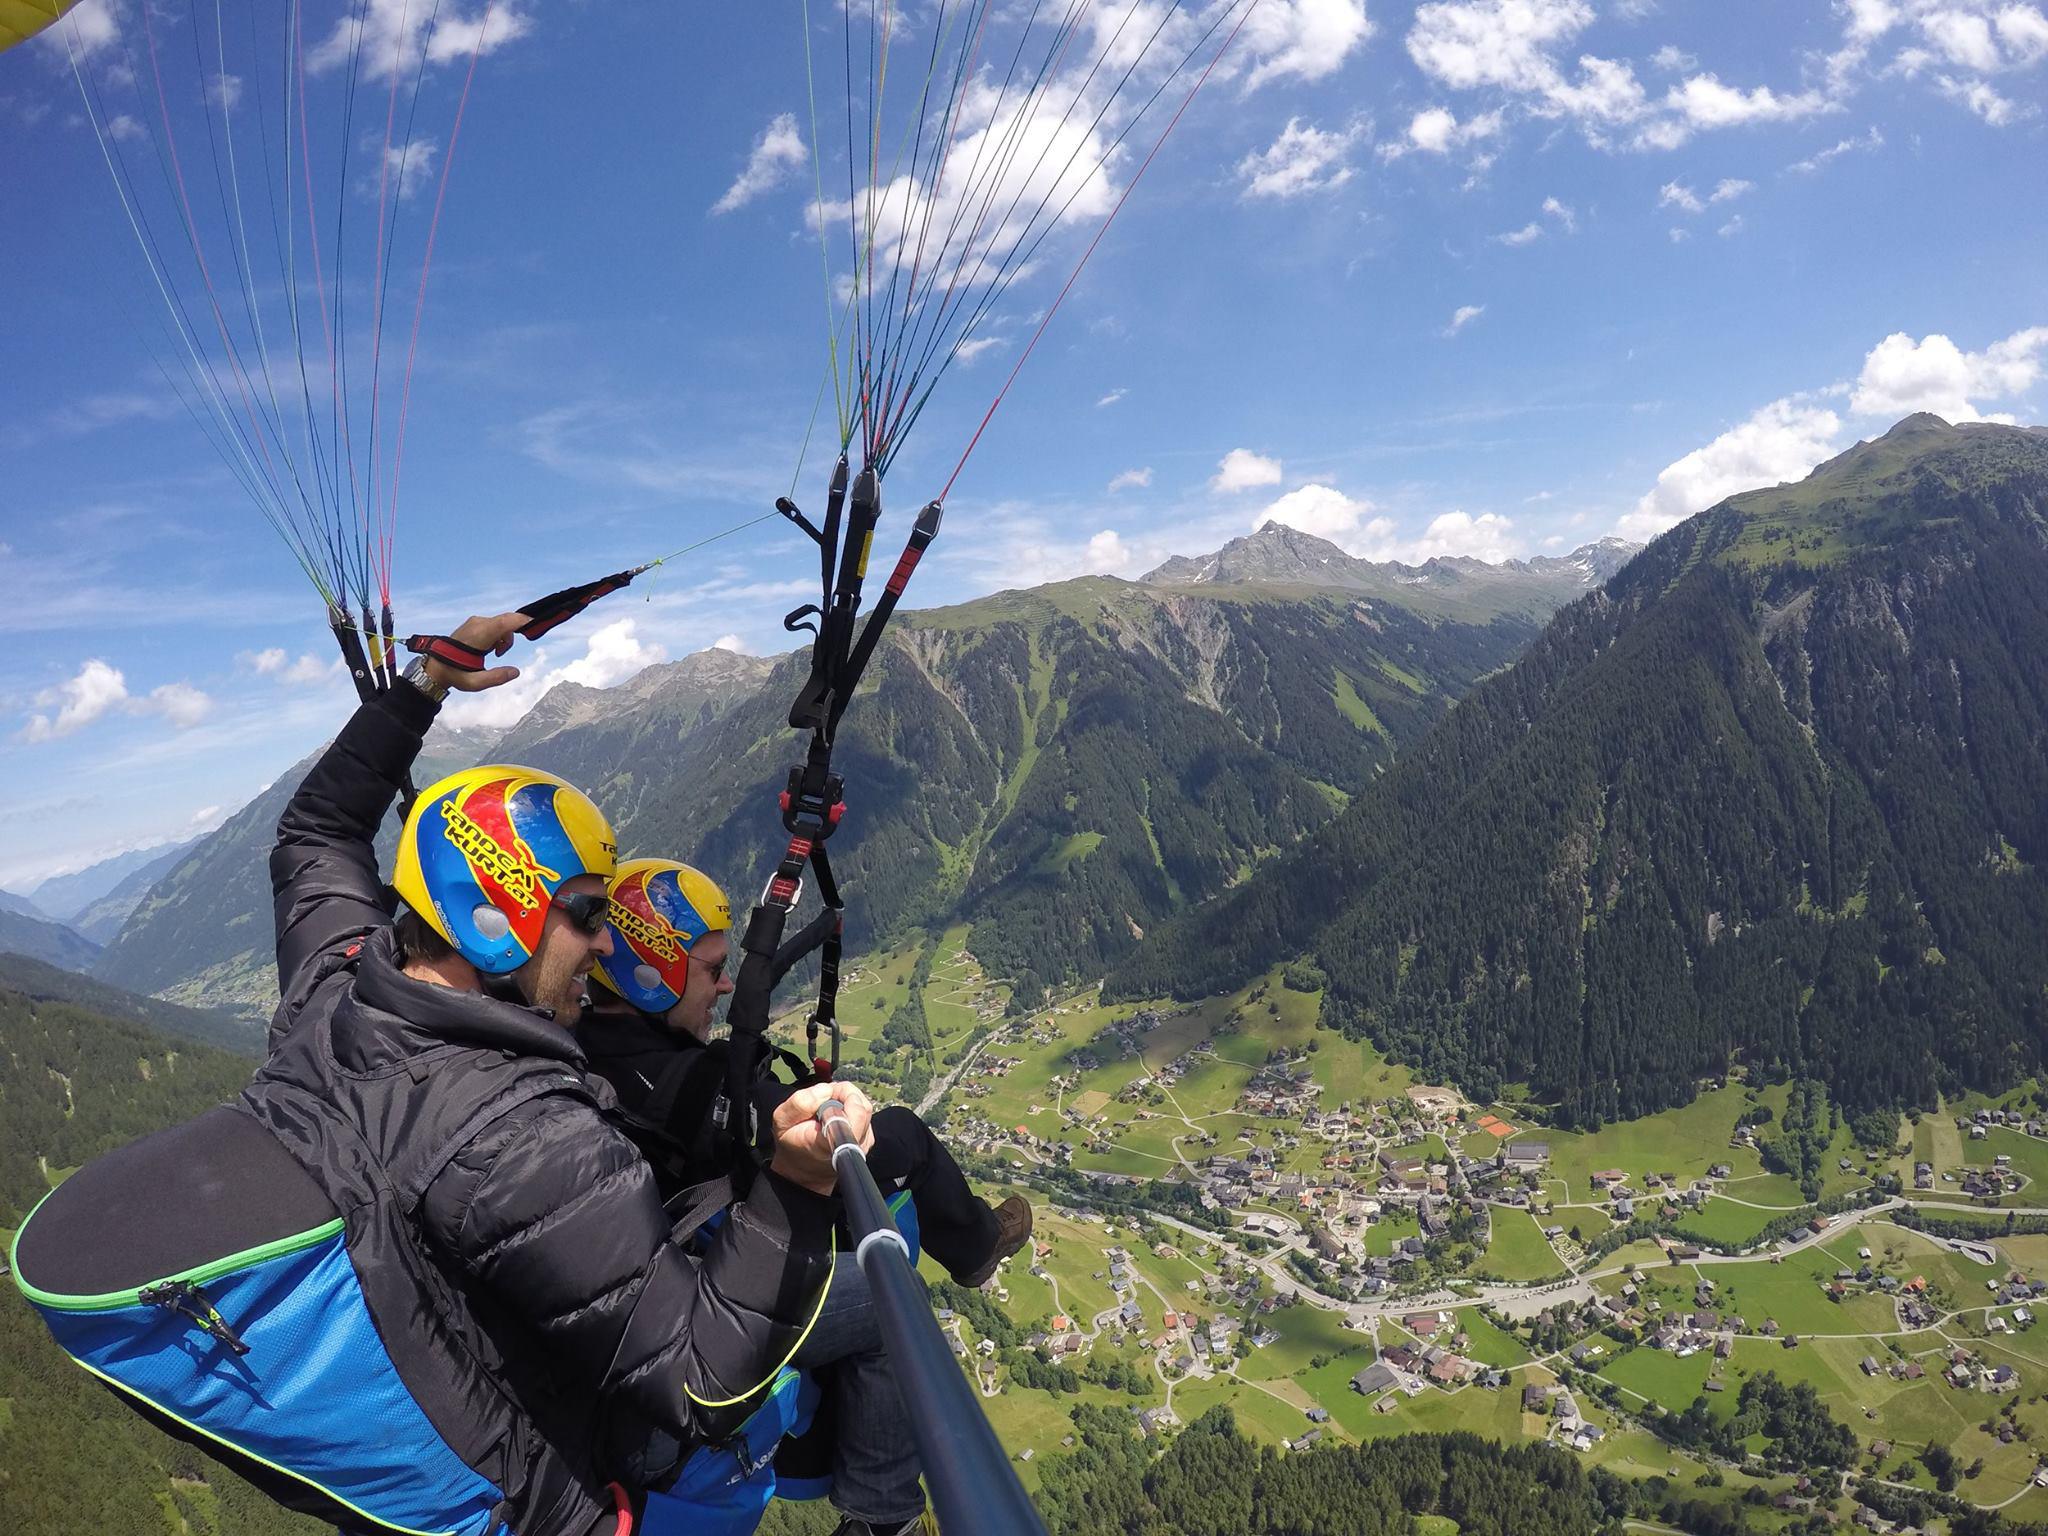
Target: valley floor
<point>1236,1207</point>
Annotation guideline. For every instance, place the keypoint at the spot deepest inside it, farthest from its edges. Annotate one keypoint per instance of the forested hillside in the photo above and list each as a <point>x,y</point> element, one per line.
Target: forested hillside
<point>1780,789</point>
<point>1063,767</point>
<point>73,1461</point>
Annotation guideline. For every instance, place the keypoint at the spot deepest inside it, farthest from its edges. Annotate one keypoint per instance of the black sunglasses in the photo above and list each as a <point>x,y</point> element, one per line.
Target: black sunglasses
<point>587,912</point>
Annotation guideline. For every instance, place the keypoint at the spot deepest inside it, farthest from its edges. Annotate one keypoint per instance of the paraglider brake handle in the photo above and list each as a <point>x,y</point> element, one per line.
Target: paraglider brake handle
<point>789,510</point>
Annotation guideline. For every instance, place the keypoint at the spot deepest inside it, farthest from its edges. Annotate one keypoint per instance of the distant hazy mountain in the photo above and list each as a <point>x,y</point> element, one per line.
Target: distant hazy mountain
<point>1779,789</point>
<point>45,940</point>
<point>101,918</point>
<point>11,901</point>
<point>1452,588</point>
<point>65,897</point>
<point>201,934</point>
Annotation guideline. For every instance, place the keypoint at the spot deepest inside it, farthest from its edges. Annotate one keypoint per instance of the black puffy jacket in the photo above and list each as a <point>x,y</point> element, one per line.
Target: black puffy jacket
<point>531,1297</point>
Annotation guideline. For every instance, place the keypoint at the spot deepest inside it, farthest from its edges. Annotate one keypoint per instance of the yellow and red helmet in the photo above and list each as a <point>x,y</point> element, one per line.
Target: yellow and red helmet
<point>484,852</point>
<point>659,909</point>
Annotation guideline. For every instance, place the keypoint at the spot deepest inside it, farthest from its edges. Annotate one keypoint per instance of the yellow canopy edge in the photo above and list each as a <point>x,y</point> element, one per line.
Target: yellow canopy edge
<point>21,20</point>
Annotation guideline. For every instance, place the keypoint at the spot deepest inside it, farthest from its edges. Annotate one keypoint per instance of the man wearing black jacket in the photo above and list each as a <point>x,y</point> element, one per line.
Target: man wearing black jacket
<point>523,1281</point>
<point>648,1034</point>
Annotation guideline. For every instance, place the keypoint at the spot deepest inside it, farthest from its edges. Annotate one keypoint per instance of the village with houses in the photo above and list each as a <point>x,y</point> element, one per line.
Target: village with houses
<point>1238,1208</point>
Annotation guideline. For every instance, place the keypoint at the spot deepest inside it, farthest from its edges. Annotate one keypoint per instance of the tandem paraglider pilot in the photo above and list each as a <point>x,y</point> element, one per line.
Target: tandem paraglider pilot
<point>414,1277</point>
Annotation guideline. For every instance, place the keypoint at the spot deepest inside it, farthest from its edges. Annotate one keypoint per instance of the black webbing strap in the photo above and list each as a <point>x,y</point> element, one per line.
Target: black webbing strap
<point>352,654</point>
<point>813,800</point>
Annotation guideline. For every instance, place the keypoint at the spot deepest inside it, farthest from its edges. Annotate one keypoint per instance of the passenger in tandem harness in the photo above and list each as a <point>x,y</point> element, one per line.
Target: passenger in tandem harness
<point>648,1034</point>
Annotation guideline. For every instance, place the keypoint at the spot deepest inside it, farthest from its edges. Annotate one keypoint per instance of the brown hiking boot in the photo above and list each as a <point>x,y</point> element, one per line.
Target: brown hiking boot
<point>1013,1228</point>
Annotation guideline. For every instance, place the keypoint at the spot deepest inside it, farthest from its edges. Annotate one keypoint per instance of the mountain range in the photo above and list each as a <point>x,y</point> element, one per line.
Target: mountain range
<point>1779,790</point>
<point>1062,767</point>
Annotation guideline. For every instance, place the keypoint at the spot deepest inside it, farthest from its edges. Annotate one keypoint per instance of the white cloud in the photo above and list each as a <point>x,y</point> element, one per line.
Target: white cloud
<point>1871,140</point>
<point>1132,480</point>
<point>390,35</point>
<point>1021,164</point>
<point>1679,236</point>
<point>1562,213</point>
<point>408,167</point>
<point>1437,131</point>
<point>122,128</point>
<point>1704,102</point>
<point>1515,45</point>
<point>1107,552</point>
<point>1982,98</point>
<point>1242,470</point>
<point>1359,527</point>
<point>277,663</point>
<point>1675,194</point>
<point>1306,38</point>
<point>1733,227</point>
<point>1301,160</point>
<point>2024,31</point>
<point>1781,442</point>
<point>1673,60</point>
<point>971,348</point>
<point>1020,553</point>
<point>613,654</point>
<point>1527,234</point>
<point>1901,375</point>
<point>180,703</point>
<point>84,31</point>
<point>81,700</point>
<point>1606,91</point>
<point>100,689</point>
<point>1327,513</point>
<point>224,90</point>
<point>1503,43</point>
<point>1962,39</point>
<point>1460,535</point>
<point>1463,316</point>
<point>731,643</point>
<point>1729,189</point>
<point>1111,398</point>
<point>777,155</point>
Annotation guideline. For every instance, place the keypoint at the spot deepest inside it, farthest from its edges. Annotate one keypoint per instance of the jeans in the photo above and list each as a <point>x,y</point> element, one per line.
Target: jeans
<point>875,1469</point>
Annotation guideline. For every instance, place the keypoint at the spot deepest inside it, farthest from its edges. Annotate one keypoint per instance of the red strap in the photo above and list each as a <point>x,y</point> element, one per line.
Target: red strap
<point>450,653</point>
<point>624,1506</point>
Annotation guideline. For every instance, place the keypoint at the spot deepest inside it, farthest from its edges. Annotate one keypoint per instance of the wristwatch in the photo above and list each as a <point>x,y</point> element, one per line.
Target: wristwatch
<point>417,674</point>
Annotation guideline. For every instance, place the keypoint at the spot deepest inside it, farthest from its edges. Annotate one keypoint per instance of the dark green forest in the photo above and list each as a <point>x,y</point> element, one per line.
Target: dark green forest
<point>73,1461</point>
<point>1780,791</point>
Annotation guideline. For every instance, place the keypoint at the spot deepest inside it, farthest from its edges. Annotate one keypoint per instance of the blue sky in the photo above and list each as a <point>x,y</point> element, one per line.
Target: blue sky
<point>1489,278</point>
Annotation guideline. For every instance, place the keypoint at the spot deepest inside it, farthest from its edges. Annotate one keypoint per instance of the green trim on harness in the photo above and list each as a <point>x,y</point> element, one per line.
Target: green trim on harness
<point>212,1269</point>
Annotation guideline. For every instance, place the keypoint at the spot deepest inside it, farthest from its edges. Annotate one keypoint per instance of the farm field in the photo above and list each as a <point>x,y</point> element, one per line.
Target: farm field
<point>1659,1376</point>
<point>1728,1224</point>
<point>1517,1250</point>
